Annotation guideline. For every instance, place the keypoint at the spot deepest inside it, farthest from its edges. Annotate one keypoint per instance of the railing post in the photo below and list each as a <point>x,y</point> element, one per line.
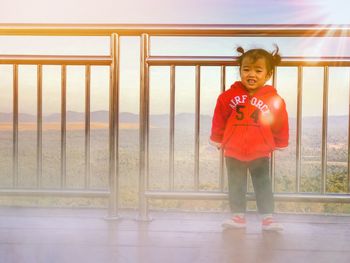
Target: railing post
<point>273,156</point>
<point>349,137</point>
<point>222,158</point>
<point>144,128</point>
<point>114,128</point>
<point>299,128</point>
<point>39,136</point>
<point>87,125</point>
<point>63,125</point>
<point>172,128</point>
<point>15,127</point>
<point>324,130</point>
<point>197,128</point>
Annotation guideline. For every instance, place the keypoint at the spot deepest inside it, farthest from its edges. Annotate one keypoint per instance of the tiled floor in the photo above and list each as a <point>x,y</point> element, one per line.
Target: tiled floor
<point>84,236</point>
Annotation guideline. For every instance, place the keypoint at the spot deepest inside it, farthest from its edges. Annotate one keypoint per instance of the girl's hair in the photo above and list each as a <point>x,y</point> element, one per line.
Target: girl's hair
<point>272,59</point>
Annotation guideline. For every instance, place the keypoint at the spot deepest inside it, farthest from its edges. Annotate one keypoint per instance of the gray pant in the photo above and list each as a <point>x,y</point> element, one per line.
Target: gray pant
<point>237,184</point>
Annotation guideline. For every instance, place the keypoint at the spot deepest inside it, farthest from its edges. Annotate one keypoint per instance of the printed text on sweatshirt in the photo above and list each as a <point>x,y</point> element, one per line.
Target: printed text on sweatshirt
<point>250,127</point>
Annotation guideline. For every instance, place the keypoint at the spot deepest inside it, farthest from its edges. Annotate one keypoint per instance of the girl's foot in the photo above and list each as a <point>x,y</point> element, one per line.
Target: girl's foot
<point>237,221</point>
<point>270,224</point>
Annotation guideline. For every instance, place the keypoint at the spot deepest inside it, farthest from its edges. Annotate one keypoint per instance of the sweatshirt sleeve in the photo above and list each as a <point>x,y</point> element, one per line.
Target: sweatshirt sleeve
<point>280,127</point>
<point>221,114</point>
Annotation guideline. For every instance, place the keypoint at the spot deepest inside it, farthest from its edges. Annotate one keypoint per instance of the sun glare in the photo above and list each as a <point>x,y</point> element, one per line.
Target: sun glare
<point>335,11</point>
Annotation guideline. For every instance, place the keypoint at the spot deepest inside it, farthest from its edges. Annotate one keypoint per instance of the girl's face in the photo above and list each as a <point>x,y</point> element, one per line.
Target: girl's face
<point>254,74</point>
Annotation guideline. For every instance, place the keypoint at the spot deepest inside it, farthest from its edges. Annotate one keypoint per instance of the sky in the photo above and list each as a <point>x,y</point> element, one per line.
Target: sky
<point>180,11</point>
<point>170,12</point>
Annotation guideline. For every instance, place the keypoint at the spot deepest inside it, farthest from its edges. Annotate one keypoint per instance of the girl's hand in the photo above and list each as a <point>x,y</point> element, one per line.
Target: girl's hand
<point>215,144</point>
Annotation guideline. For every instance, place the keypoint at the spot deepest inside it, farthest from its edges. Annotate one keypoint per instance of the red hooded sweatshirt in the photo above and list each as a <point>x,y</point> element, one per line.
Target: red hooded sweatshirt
<point>250,127</point>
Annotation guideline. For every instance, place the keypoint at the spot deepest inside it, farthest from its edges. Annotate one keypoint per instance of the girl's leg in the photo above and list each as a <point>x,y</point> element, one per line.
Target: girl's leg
<point>259,171</point>
<point>237,185</point>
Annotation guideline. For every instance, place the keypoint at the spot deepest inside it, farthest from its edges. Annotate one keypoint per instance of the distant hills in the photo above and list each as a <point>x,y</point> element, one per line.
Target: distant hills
<point>183,120</point>
<point>159,120</point>
<point>72,116</point>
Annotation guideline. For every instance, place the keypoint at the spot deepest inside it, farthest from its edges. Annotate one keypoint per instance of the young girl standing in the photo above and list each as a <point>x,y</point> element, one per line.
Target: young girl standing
<point>250,121</point>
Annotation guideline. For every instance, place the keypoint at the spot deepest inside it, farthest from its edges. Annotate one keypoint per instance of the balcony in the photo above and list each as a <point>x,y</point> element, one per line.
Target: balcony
<point>66,196</point>
<point>65,235</point>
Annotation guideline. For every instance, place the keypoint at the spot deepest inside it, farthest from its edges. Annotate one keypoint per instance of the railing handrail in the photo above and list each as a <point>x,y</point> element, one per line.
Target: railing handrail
<point>232,61</point>
<point>166,60</point>
<point>56,59</point>
<point>262,30</point>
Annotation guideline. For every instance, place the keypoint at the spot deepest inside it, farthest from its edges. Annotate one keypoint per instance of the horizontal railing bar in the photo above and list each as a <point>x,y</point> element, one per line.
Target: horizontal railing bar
<point>286,197</point>
<point>316,61</point>
<point>290,30</point>
<point>55,60</point>
<point>49,192</point>
<point>191,60</point>
<point>231,61</point>
<point>167,60</point>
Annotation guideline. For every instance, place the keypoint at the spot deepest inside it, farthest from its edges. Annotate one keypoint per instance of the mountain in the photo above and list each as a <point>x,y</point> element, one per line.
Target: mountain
<point>23,117</point>
<point>72,116</point>
<point>182,120</point>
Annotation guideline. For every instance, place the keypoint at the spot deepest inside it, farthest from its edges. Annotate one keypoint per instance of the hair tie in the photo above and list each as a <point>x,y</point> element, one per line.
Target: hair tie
<point>275,56</point>
<point>275,52</point>
<point>240,50</point>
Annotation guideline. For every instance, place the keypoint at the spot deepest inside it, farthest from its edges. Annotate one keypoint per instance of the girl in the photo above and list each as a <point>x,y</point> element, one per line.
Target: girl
<point>250,121</point>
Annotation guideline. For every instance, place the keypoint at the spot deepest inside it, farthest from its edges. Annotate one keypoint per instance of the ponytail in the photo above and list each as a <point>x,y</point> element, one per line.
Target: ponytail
<point>276,58</point>
<point>240,50</point>
<point>272,59</point>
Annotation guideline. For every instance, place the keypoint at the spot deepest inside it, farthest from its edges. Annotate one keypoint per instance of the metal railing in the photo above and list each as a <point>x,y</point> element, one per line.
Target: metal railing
<point>147,61</point>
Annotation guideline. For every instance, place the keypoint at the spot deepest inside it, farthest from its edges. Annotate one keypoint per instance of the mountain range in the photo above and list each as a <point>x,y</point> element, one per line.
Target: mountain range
<point>158,120</point>
<point>162,120</point>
